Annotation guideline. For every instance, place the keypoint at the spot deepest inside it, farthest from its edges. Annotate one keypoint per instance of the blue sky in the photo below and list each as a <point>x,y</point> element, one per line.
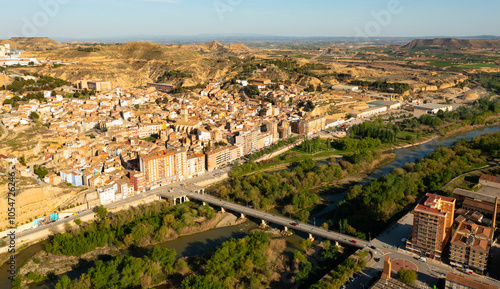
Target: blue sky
<point>118,18</point>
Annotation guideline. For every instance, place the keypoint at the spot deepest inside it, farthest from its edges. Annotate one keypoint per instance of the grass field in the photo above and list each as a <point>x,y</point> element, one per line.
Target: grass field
<point>447,63</point>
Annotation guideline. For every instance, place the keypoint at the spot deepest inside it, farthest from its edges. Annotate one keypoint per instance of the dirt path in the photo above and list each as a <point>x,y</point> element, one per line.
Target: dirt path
<point>4,135</point>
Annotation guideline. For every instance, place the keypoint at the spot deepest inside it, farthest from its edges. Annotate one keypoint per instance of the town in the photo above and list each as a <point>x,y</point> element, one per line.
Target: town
<point>87,150</point>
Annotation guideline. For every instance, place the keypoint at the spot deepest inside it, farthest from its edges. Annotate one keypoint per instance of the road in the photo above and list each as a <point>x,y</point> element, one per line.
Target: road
<point>390,243</point>
<point>209,175</point>
<point>279,220</point>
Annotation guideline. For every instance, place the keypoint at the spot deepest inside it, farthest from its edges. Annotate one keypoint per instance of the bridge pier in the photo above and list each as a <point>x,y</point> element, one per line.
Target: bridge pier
<point>286,229</point>
<point>222,210</point>
<point>242,216</point>
<point>337,243</point>
<point>263,224</point>
<point>311,237</point>
<point>204,204</point>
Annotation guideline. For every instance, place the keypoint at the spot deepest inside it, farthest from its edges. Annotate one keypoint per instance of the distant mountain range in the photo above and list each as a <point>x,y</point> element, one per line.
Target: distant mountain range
<point>250,38</point>
<point>455,43</point>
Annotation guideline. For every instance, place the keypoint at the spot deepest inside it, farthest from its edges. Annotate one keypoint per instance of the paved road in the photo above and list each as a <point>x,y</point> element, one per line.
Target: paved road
<point>206,176</point>
<point>390,243</point>
<point>279,220</point>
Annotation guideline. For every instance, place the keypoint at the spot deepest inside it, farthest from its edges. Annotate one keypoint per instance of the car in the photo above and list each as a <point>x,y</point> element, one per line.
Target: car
<point>377,259</point>
<point>373,247</point>
<point>294,224</point>
<point>469,271</point>
<point>353,241</point>
<point>423,259</point>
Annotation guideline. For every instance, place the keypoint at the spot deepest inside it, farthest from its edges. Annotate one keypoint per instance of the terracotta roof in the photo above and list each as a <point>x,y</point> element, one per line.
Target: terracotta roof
<point>429,210</point>
<point>468,282</point>
<point>490,178</point>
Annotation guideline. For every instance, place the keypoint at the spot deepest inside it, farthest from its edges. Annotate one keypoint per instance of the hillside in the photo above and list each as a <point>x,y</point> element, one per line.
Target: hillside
<point>453,43</point>
<point>217,47</point>
<point>36,44</point>
<point>134,63</point>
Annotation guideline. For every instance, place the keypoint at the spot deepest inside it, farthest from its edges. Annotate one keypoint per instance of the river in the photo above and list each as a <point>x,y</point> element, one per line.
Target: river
<point>206,242</point>
<point>185,246</point>
<point>408,155</point>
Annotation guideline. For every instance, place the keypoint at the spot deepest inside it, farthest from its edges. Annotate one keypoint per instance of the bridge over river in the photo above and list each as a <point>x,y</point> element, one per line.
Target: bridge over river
<point>279,220</point>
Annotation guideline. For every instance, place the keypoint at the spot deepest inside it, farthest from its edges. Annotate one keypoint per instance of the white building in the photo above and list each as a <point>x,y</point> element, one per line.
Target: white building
<point>369,112</point>
<point>203,134</point>
<point>345,87</point>
<point>434,108</point>
<point>107,193</point>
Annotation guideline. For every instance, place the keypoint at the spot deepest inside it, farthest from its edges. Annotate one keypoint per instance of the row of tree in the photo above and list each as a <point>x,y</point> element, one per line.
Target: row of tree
<point>292,189</point>
<point>128,272</point>
<point>45,82</point>
<point>243,263</point>
<point>140,226</point>
<point>377,202</point>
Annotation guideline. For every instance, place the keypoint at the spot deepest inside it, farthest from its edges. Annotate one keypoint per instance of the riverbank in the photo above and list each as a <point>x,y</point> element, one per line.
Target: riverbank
<point>43,263</point>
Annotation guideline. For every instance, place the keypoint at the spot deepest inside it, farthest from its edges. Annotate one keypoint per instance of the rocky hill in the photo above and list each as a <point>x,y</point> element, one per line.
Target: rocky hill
<point>454,43</point>
<point>33,43</point>
<point>217,47</point>
<point>134,63</point>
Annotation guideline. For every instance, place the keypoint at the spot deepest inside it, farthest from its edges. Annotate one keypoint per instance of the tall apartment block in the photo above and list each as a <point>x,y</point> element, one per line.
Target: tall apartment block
<point>432,224</point>
<point>159,168</point>
<point>471,245</point>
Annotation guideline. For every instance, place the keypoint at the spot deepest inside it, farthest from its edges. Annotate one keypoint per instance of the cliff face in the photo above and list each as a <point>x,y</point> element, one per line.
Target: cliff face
<point>439,84</point>
<point>454,43</point>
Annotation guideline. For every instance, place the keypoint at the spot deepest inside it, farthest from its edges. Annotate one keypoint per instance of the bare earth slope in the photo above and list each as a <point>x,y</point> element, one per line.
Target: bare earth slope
<point>454,43</point>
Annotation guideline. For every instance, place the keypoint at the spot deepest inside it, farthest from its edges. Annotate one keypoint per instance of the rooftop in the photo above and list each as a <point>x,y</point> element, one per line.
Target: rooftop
<point>490,178</point>
<point>487,194</point>
<point>467,281</point>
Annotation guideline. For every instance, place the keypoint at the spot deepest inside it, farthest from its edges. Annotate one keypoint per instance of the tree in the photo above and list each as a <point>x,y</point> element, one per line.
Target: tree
<point>34,116</point>
<point>64,283</point>
<point>102,212</point>
<point>407,276</point>
<point>288,209</point>
<point>40,171</point>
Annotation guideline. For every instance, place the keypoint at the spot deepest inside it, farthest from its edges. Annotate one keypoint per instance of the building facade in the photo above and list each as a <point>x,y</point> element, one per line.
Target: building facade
<point>470,246</point>
<point>309,126</point>
<point>158,168</point>
<point>432,224</point>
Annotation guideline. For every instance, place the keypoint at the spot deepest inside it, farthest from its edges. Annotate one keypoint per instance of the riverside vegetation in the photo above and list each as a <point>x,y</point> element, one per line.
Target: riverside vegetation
<point>378,202</point>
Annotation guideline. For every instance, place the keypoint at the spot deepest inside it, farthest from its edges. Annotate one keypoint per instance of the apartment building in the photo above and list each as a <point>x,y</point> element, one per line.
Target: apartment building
<point>471,245</point>
<point>163,87</point>
<point>432,224</point>
<point>158,168</point>
<point>181,166</point>
<point>96,85</point>
<point>138,181</point>
<point>309,126</point>
<point>218,157</point>
<point>195,164</point>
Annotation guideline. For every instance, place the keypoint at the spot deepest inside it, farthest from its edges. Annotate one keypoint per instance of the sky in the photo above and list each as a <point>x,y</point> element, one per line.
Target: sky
<point>98,19</point>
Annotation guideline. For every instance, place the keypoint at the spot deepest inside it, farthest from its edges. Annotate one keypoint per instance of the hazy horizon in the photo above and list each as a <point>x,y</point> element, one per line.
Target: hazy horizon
<point>93,19</point>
